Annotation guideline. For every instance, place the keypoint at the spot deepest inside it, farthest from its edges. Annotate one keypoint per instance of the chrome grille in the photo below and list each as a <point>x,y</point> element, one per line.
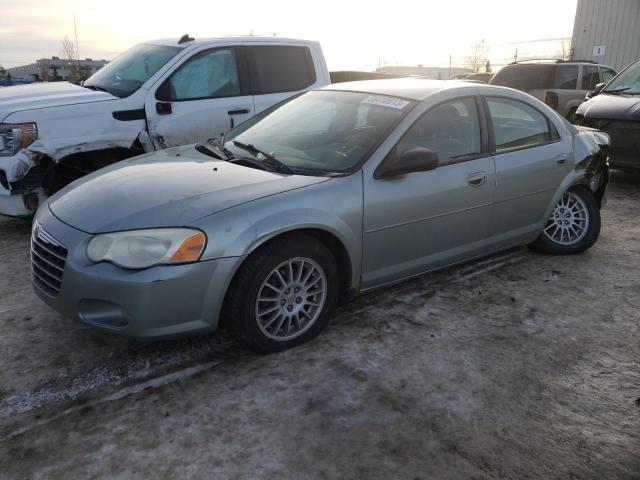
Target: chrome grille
<point>48,257</point>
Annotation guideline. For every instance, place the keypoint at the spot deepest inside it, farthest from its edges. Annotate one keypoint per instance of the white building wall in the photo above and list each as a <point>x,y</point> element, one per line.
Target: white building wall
<point>613,24</point>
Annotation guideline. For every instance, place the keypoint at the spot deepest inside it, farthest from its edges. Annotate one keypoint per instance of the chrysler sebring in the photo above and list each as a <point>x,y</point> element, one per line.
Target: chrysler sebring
<point>335,192</point>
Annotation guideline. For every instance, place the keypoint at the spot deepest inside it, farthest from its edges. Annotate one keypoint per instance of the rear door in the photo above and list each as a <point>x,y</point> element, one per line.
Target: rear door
<point>203,97</point>
<point>531,161</point>
<point>278,71</point>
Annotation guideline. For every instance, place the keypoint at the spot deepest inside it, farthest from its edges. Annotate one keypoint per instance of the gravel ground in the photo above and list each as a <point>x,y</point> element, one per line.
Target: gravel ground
<point>517,366</point>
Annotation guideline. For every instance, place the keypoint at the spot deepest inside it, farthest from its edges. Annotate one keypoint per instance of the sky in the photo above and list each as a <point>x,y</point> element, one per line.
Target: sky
<point>354,34</point>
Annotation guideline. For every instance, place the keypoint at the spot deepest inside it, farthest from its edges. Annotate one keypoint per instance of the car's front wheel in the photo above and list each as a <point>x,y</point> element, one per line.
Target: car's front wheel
<point>574,224</point>
<point>283,295</point>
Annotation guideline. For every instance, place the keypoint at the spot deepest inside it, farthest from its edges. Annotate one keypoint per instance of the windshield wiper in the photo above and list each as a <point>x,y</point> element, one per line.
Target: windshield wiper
<point>267,158</point>
<point>618,90</point>
<point>96,88</point>
<point>218,145</point>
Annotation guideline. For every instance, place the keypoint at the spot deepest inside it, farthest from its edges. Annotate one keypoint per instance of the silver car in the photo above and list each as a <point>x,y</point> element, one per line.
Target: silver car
<point>333,193</point>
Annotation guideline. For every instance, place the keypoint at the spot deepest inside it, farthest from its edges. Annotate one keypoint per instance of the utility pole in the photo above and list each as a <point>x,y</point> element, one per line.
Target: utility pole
<point>76,32</point>
<point>449,65</point>
<point>515,55</point>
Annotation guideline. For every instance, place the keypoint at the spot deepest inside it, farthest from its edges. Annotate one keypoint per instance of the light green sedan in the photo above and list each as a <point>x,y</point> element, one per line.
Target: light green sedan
<point>333,193</point>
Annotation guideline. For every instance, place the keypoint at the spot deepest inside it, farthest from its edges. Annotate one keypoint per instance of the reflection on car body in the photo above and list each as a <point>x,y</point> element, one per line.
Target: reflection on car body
<point>384,180</point>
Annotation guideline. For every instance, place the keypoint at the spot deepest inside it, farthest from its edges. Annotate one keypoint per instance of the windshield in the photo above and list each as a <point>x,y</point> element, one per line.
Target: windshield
<point>128,72</point>
<point>320,131</point>
<point>627,82</point>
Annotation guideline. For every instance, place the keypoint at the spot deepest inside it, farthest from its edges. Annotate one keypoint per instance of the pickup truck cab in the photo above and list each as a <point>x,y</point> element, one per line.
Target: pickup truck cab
<point>156,95</point>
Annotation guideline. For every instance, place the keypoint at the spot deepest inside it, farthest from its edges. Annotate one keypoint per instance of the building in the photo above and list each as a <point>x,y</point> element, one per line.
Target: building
<point>441,73</point>
<point>55,68</point>
<point>607,32</point>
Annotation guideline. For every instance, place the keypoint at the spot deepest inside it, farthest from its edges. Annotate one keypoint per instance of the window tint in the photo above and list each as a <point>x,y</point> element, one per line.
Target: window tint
<point>525,76</point>
<point>590,77</point>
<point>209,74</point>
<point>607,74</point>
<point>566,77</point>
<point>452,130</point>
<point>281,69</point>
<point>517,125</point>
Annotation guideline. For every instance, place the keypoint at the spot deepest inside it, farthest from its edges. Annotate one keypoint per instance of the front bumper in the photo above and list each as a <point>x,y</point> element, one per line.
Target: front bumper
<point>159,302</point>
<point>625,141</point>
<point>19,197</point>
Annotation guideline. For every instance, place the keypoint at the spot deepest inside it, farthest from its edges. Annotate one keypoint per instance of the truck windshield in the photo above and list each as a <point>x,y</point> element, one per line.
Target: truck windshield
<point>320,131</point>
<point>627,82</point>
<point>128,72</point>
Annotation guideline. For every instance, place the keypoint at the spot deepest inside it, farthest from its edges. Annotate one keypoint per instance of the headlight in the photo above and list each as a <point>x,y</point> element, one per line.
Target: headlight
<point>14,137</point>
<point>137,249</point>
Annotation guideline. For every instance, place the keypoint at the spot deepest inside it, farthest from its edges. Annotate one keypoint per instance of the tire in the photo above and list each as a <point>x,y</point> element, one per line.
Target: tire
<point>290,316</point>
<point>578,207</point>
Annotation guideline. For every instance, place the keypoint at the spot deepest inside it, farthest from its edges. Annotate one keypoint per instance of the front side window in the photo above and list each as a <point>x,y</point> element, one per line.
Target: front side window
<point>517,125</point>
<point>128,72</point>
<point>452,130</point>
<point>280,68</point>
<point>321,131</point>
<point>566,77</point>
<point>209,74</point>
<point>590,77</point>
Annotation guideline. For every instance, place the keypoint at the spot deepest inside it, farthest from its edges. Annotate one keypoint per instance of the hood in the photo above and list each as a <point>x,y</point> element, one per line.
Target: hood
<point>611,107</point>
<point>170,188</point>
<point>46,94</point>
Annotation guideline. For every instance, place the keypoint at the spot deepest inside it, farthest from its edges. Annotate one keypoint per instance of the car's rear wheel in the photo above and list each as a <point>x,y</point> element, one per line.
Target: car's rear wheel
<point>574,224</point>
<point>283,295</point>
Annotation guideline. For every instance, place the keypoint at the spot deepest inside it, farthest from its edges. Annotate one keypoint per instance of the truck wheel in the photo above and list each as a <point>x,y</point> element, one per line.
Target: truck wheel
<point>283,295</point>
<point>574,224</point>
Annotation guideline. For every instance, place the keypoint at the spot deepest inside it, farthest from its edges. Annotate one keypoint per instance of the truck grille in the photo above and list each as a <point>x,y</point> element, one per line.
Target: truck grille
<point>48,257</point>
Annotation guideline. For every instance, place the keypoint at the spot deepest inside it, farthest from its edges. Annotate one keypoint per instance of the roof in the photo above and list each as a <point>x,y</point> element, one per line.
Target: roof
<point>246,38</point>
<point>412,88</point>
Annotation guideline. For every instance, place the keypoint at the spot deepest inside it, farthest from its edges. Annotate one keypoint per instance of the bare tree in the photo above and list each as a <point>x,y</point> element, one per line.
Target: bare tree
<point>478,57</point>
<point>3,73</point>
<point>69,54</point>
<point>565,49</point>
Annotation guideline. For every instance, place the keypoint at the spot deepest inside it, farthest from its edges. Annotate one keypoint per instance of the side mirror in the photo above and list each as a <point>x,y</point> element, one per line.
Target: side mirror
<point>417,159</point>
<point>596,91</point>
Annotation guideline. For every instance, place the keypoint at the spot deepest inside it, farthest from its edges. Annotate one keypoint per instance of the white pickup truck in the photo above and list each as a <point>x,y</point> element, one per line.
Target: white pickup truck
<point>156,95</point>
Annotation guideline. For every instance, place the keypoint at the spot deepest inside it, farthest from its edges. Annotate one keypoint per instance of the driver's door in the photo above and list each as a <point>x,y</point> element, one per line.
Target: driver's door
<point>205,96</point>
<point>424,220</point>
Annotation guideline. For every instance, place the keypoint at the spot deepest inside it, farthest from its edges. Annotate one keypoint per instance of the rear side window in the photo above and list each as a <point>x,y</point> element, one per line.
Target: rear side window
<point>517,125</point>
<point>590,77</point>
<point>280,68</point>
<point>566,77</point>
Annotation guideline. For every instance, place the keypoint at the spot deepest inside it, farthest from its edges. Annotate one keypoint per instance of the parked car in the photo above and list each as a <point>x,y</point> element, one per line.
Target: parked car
<point>156,95</point>
<point>560,84</point>
<point>615,108</point>
<point>336,192</point>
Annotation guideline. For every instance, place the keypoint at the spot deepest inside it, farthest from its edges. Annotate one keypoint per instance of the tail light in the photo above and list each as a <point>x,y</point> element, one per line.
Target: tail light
<point>551,99</point>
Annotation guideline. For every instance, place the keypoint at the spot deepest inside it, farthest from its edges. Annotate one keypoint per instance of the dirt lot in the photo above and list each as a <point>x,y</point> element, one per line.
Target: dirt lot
<point>516,366</point>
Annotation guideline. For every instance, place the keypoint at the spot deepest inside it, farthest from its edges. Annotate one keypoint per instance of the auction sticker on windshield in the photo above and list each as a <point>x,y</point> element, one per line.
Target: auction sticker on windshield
<point>383,101</point>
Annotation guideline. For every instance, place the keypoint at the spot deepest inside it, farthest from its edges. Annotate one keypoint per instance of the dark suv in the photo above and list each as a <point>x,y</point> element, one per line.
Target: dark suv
<point>561,84</point>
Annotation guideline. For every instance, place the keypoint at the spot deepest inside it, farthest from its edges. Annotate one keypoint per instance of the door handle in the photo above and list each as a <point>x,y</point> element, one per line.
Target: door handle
<point>477,179</point>
<point>562,159</point>
<point>163,108</point>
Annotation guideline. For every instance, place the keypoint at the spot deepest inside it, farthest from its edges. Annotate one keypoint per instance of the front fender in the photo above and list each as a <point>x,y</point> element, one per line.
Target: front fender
<point>333,207</point>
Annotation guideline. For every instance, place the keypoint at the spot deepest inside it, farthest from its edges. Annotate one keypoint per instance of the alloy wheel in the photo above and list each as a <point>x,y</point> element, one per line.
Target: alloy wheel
<point>569,221</point>
<point>291,299</point>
